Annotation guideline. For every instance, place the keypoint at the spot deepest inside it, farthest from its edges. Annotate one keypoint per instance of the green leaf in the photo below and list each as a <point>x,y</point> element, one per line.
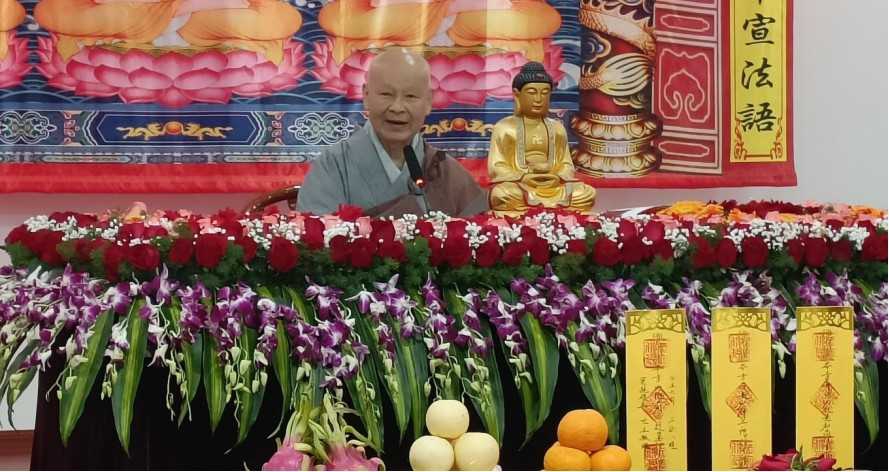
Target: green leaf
<point>125,387</point>
<point>192,358</point>
<point>12,369</point>
<point>394,381</point>
<point>703,378</point>
<point>544,351</point>
<point>249,402</point>
<point>74,396</point>
<point>604,393</point>
<point>364,391</point>
<point>214,382</point>
<point>281,364</point>
<point>867,398</point>
<point>493,420</point>
<point>412,355</point>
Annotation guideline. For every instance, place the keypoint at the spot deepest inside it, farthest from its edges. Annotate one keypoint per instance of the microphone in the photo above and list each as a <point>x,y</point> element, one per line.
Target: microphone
<point>413,166</point>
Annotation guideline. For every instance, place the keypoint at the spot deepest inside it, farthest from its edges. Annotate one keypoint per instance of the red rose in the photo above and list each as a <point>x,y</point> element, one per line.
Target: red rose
<point>393,250</point>
<point>626,230</point>
<point>874,247</point>
<point>816,252</point>
<point>797,249</point>
<point>210,249</point>
<point>18,234</point>
<point>539,250</point>
<point>249,246</point>
<point>577,246</point>
<point>227,219</point>
<point>425,228</point>
<point>340,249</point>
<point>349,212</point>
<point>181,251</point>
<point>772,463</point>
<point>111,260</point>
<point>436,251</point>
<point>633,251</point>
<point>314,233</point>
<point>456,228</point>
<point>841,251</point>
<point>871,229</point>
<point>704,254</point>
<point>154,232</point>
<point>662,249</point>
<point>755,252</point>
<point>654,231</point>
<point>488,253</point>
<point>456,251</point>
<point>82,249</point>
<point>834,224</point>
<point>283,254</point>
<point>528,234</point>
<point>382,231</point>
<point>44,246</point>
<point>726,253</point>
<point>605,252</point>
<point>825,463</point>
<point>144,257</point>
<point>514,252</point>
<point>130,231</point>
<point>362,255</point>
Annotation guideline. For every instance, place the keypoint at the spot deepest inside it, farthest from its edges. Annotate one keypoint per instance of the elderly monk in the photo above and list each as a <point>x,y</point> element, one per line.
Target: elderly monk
<point>256,25</point>
<point>370,170</point>
<point>512,25</point>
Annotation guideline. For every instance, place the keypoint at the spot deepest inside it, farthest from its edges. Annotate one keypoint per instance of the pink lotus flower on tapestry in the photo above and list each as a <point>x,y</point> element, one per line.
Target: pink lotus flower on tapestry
<point>14,66</point>
<point>467,79</point>
<point>170,79</point>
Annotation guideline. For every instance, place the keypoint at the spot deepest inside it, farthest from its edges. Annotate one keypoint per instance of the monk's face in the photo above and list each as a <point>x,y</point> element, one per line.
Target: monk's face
<point>533,99</point>
<point>398,99</point>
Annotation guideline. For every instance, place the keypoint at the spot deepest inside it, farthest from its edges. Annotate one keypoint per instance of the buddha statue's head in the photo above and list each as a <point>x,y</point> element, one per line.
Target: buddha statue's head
<point>531,88</point>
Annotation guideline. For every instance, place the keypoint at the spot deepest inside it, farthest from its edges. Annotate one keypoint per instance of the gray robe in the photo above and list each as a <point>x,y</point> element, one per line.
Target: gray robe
<point>351,172</point>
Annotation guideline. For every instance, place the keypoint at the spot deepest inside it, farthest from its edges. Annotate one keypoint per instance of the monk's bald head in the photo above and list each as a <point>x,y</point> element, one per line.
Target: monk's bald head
<point>398,62</point>
<point>397,96</point>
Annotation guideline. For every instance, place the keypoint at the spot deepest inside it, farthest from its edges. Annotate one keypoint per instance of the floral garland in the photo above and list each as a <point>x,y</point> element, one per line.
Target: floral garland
<point>222,299</point>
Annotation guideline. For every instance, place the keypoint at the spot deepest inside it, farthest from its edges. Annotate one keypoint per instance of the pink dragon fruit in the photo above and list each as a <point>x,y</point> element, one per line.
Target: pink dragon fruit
<point>14,66</point>
<point>170,79</point>
<point>288,457</point>
<point>332,443</point>
<point>466,79</point>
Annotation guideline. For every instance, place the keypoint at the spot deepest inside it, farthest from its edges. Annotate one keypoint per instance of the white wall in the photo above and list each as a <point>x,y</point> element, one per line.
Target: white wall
<point>840,96</point>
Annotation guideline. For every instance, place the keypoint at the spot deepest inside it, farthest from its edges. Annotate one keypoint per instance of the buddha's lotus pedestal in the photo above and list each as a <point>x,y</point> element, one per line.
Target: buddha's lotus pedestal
<point>171,78</point>
<point>459,77</point>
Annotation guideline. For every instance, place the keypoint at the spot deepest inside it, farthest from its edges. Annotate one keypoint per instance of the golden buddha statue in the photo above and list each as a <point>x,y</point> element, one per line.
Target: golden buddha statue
<point>11,15</point>
<point>529,162</point>
<point>511,25</point>
<point>257,25</point>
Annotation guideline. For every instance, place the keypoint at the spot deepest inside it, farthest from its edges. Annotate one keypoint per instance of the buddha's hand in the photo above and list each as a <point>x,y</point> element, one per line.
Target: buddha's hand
<point>386,3</point>
<point>460,6</point>
<point>191,6</point>
<point>129,1</point>
<point>541,180</point>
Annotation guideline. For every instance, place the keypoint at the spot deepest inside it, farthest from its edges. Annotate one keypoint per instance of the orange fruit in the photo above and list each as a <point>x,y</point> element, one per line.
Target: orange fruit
<point>565,458</point>
<point>583,429</point>
<point>610,458</point>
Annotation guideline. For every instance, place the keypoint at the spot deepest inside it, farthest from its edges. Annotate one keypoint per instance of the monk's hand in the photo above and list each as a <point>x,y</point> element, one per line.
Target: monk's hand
<point>192,6</point>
